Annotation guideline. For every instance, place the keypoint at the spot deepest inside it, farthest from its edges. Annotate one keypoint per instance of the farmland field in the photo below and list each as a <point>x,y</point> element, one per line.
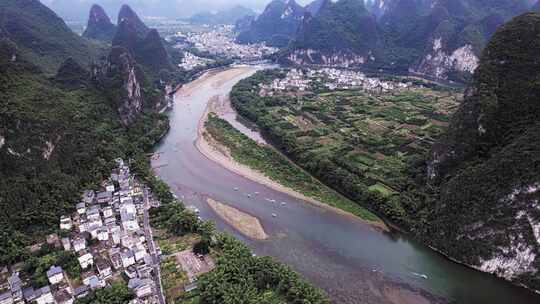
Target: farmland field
<point>360,143</point>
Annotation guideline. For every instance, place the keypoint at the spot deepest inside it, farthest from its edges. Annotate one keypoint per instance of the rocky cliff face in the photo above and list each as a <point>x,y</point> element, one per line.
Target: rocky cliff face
<point>486,167</point>
<point>459,32</point>
<point>122,65</point>
<point>439,63</point>
<point>99,25</point>
<point>336,58</point>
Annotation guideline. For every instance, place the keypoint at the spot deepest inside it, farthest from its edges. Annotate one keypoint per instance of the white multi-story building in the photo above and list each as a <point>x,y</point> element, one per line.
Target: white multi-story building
<point>55,275</point>
<point>86,260</point>
<point>66,223</point>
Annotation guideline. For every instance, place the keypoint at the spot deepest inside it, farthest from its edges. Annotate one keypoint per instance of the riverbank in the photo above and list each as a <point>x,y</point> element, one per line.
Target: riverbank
<point>226,74</point>
<point>247,224</point>
<point>219,153</point>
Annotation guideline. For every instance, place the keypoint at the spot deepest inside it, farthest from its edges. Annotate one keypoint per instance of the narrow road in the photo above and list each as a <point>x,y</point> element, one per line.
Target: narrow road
<point>152,247</point>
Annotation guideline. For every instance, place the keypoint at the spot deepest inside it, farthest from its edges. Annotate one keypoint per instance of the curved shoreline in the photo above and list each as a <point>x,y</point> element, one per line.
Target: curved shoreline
<point>217,153</point>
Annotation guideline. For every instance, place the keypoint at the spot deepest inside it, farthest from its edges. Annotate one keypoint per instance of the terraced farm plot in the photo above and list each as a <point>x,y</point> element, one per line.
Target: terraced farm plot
<point>371,136</point>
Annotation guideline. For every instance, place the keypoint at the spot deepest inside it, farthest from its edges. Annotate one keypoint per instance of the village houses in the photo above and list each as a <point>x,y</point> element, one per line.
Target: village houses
<point>106,236</point>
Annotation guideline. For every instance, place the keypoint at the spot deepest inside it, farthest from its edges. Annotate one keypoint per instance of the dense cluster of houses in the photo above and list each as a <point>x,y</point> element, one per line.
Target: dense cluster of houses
<point>191,61</point>
<point>221,41</point>
<point>332,79</point>
<point>108,234</point>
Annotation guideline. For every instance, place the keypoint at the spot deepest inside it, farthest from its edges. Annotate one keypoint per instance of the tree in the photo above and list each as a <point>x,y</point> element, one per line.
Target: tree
<point>116,294</point>
<point>202,247</point>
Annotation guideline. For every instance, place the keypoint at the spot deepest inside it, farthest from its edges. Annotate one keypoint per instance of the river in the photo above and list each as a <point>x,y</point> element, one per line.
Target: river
<point>351,260</point>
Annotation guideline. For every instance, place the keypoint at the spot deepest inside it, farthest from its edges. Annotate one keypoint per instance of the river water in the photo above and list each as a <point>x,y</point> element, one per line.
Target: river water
<point>351,260</point>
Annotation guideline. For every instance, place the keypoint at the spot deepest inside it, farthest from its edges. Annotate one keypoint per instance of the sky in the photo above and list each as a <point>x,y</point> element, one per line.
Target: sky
<point>78,9</point>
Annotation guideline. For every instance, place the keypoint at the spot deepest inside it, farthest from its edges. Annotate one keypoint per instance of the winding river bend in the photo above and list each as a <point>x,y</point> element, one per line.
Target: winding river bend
<point>353,261</point>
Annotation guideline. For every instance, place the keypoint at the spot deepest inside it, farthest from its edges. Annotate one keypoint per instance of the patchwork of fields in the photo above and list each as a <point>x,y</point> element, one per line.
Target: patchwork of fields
<point>352,139</point>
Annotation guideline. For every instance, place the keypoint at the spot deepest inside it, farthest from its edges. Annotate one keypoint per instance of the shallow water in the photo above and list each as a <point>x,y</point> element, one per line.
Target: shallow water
<point>352,261</point>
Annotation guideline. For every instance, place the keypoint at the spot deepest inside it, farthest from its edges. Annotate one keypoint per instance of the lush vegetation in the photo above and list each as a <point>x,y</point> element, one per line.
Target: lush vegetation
<point>239,277</point>
<point>342,25</point>
<point>60,135</point>
<point>358,143</point>
<point>36,266</point>
<point>277,167</point>
<point>484,170</point>
<point>276,25</point>
<point>174,218</point>
<point>116,294</point>
<point>173,279</point>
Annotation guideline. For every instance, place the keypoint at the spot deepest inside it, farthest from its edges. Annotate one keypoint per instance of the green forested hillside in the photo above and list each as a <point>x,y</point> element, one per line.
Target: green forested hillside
<point>344,25</point>
<point>153,53</point>
<point>408,30</point>
<point>43,38</point>
<point>442,39</point>
<point>57,135</point>
<point>276,25</point>
<point>486,167</point>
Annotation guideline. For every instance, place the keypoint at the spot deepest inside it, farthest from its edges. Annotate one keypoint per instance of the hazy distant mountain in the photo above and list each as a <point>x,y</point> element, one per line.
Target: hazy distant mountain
<point>144,44</point>
<point>99,25</point>
<point>229,16</point>
<point>127,14</point>
<point>314,7</point>
<point>78,9</point>
<point>244,23</point>
<point>276,25</point>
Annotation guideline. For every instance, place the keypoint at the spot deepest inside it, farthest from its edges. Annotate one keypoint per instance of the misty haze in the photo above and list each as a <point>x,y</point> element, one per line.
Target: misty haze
<point>77,10</point>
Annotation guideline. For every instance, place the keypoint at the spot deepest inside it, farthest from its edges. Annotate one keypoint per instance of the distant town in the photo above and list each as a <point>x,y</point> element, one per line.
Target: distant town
<point>218,41</point>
